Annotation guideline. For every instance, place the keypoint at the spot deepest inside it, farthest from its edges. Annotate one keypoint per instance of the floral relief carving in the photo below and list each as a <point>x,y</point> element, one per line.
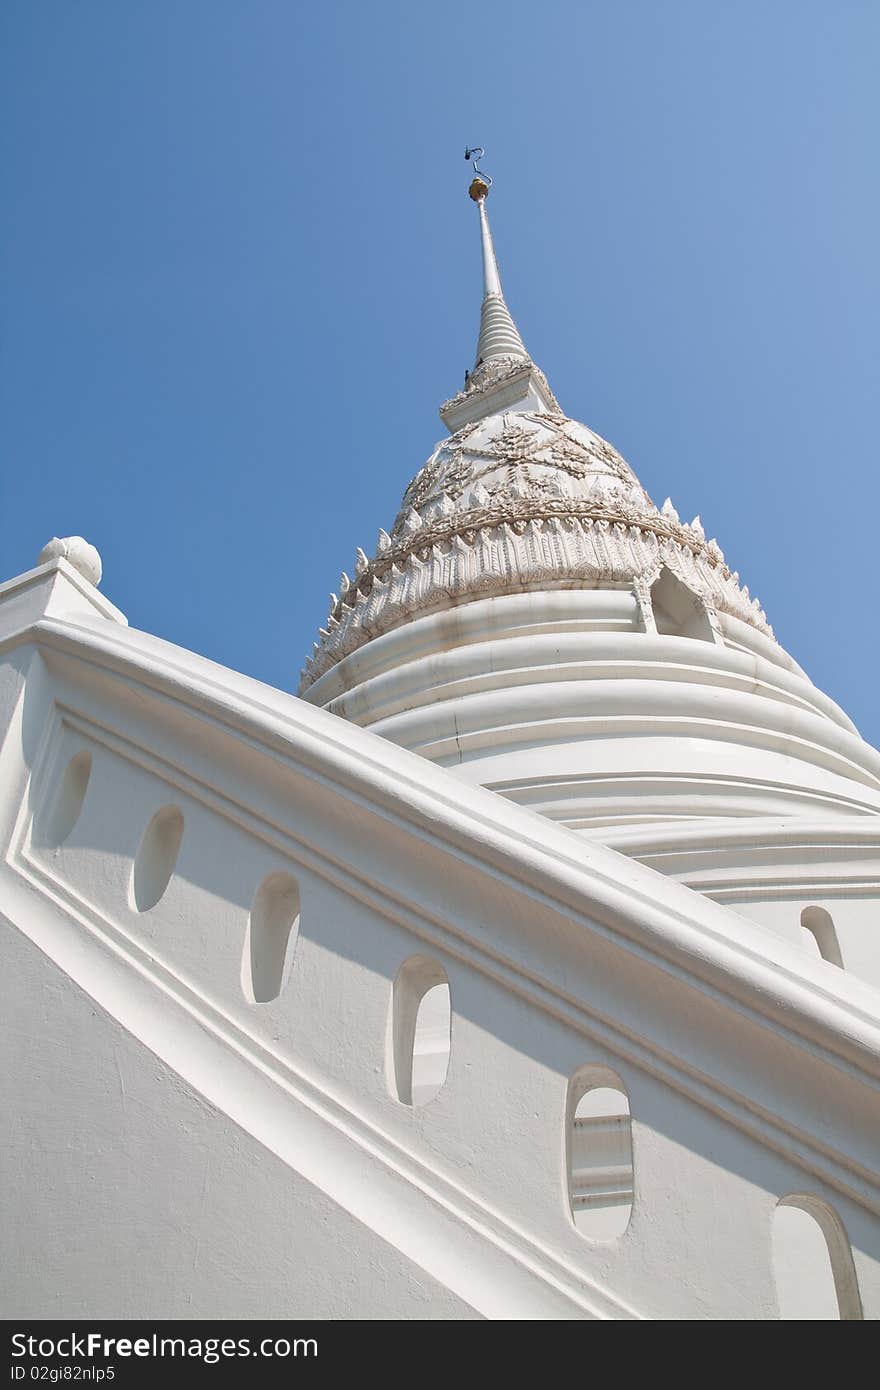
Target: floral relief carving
<point>514,442</point>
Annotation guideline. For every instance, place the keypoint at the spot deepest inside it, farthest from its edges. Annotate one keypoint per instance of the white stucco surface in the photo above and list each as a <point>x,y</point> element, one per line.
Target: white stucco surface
<point>526,968</point>
<point>749,1065</point>
<point>153,1203</point>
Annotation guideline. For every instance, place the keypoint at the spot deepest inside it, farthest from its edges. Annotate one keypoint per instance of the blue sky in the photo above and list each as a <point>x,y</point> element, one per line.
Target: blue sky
<point>240,271</point>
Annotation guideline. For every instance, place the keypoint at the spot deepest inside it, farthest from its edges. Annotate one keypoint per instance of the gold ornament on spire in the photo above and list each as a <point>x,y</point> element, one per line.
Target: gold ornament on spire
<point>481,183</point>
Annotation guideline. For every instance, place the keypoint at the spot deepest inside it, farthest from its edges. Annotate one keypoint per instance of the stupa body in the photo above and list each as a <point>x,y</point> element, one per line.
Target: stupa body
<point>534,623</point>
<point>526,966</point>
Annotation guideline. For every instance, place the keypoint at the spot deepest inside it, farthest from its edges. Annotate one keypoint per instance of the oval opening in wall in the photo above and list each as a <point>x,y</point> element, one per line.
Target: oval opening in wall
<point>156,858</point>
<point>600,1163</point>
<point>69,797</point>
<point>820,935</point>
<point>421,1030</point>
<point>812,1263</point>
<point>271,937</point>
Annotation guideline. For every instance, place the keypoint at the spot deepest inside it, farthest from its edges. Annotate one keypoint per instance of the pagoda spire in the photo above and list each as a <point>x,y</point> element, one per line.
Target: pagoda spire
<point>499,335</point>
<point>504,377</point>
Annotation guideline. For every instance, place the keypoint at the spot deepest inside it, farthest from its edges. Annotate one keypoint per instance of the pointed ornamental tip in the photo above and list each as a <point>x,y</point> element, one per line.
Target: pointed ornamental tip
<point>499,336</point>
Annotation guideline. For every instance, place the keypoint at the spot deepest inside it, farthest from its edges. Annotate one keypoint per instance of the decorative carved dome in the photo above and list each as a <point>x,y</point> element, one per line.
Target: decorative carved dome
<point>521,500</point>
<point>510,466</point>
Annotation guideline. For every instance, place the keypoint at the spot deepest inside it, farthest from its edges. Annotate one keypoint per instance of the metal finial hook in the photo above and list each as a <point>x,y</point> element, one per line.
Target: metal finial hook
<point>473,154</point>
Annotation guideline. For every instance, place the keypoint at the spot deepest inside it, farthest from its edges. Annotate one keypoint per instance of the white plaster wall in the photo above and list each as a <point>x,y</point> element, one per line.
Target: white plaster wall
<point>750,1069</point>
<point>128,1195</point>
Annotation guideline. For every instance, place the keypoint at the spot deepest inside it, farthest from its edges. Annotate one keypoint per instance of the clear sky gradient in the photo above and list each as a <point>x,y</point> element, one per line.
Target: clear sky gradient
<point>240,272</point>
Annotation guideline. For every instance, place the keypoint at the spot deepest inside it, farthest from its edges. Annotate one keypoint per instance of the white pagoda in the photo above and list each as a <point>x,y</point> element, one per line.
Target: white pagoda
<point>525,966</point>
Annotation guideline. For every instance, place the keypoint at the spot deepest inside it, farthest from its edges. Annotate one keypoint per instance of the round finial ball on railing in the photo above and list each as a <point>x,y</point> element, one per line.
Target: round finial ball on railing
<point>478,189</point>
<point>77,552</point>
